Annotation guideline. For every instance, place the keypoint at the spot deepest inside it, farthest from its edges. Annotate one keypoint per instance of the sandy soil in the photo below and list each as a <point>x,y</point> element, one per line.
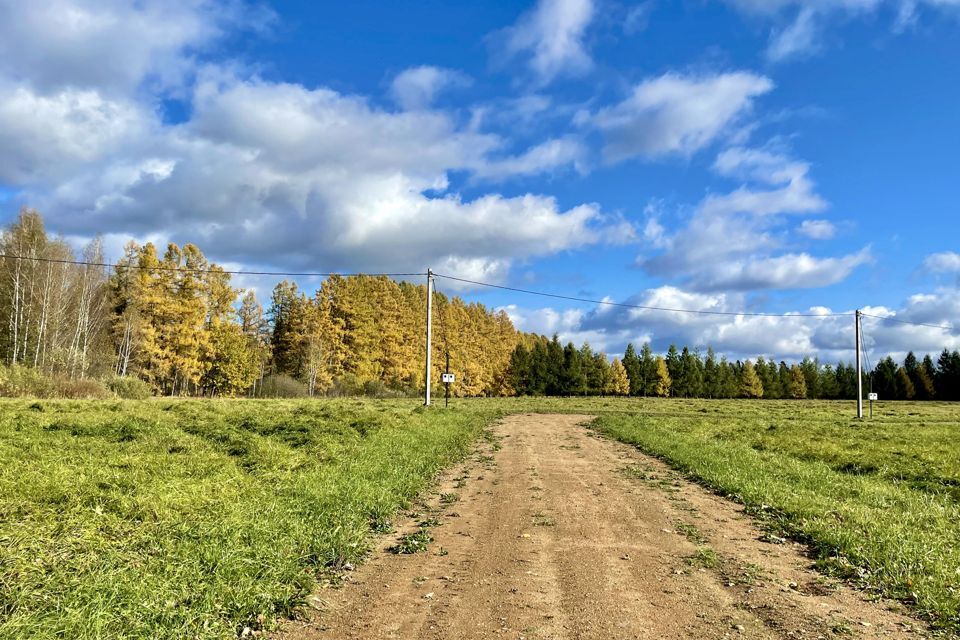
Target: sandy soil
<point>558,533</point>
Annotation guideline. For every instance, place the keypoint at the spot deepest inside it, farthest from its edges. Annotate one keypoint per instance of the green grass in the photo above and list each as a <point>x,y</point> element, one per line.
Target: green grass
<point>197,518</point>
<point>877,501</point>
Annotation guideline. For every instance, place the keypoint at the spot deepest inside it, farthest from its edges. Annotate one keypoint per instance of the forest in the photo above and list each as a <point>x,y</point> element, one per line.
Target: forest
<point>172,323</point>
<point>545,367</point>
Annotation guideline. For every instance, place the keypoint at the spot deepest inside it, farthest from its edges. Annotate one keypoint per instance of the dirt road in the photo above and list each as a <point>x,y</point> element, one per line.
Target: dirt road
<point>554,532</point>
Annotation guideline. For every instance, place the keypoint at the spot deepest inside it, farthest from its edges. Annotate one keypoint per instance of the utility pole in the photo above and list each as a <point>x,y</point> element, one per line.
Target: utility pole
<point>859,368</point>
<point>426,396</point>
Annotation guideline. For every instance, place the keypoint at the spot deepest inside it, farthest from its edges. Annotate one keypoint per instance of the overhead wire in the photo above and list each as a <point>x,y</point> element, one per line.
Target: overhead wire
<point>301,274</point>
<point>645,307</point>
<point>610,303</point>
<point>866,356</point>
<point>945,327</point>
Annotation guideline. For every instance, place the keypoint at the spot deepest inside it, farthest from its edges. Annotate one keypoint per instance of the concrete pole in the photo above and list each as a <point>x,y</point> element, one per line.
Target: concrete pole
<point>426,397</point>
<point>859,368</point>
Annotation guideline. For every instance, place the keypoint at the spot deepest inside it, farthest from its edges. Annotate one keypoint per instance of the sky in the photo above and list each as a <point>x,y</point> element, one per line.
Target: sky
<point>769,156</point>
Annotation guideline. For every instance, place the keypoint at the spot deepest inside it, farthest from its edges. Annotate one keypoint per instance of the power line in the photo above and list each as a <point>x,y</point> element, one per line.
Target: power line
<point>945,327</point>
<point>646,307</point>
<point>208,270</point>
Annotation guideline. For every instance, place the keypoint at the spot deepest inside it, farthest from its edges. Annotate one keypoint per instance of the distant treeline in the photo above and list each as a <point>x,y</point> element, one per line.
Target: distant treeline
<point>172,323</point>
<point>546,367</point>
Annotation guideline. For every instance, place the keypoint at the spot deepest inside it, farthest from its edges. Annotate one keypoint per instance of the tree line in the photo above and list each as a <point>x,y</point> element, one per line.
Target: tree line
<point>545,367</point>
<point>174,321</point>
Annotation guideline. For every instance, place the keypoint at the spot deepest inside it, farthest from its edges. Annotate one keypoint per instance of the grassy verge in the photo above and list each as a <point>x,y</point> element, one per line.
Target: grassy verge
<point>878,501</point>
<point>196,519</point>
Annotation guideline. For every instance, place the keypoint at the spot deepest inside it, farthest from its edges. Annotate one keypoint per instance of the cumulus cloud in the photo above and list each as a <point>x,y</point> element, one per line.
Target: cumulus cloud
<point>261,173</point>
<point>676,113</point>
<point>945,262</point>
<point>787,271</point>
<point>45,137</point>
<point>796,195</point>
<point>551,36</point>
<point>113,45</point>
<point>813,331</point>
<point>417,87</point>
<point>735,241</point>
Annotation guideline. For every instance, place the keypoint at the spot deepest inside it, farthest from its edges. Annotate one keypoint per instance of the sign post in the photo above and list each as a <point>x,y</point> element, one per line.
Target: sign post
<point>447,378</point>
<point>872,396</point>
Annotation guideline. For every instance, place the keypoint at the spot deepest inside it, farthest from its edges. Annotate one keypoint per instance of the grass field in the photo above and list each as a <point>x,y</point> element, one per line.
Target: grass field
<point>197,518</point>
<point>879,502</point>
<point>200,518</point>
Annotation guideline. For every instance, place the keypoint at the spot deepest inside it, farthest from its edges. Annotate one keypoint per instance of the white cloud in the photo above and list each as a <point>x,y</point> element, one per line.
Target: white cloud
<point>113,45</point>
<point>735,241</point>
<point>812,331</point>
<point>261,173</point>
<point>542,158</point>
<point>46,137</point>
<point>274,173</point>
<point>818,229</point>
<point>787,271</point>
<point>552,35</point>
<point>797,39</point>
<point>945,262</point>
<point>795,196</point>
<point>676,114</point>
<point>417,87</point>
<point>799,24</point>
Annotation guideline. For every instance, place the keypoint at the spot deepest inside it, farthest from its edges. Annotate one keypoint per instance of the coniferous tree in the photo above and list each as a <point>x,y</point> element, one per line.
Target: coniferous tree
<point>648,371</point>
<point>711,375</point>
<point>797,383</point>
<point>675,367</point>
<point>750,385</point>
<point>632,365</point>
<point>618,384</point>
<point>885,379</point>
<point>663,382</point>
<point>520,370</point>
<point>573,381</point>
<point>926,375</point>
<point>905,387</point>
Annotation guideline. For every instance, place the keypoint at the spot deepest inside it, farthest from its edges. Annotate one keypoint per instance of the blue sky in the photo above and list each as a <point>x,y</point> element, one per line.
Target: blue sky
<point>765,155</point>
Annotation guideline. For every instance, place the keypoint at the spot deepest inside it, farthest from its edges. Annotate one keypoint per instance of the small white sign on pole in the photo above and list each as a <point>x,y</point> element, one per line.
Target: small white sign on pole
<point>872,396</point>
<point>446,378</point>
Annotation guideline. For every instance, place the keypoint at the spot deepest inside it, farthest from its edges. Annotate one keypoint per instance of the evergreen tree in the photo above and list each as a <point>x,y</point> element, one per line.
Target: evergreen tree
<point>648,371</point>
<point>555,364</point>
<point>632,365</point>
<point>573,381</point>
<point>829,387</point>
<point>811,375</point>
<point>711,375</point>
<point>675,367</point>
<point>520,370</point>
<point>692,374</point>
<point>604,374</point>
<point>729,378</point>
<point>885,379</point>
